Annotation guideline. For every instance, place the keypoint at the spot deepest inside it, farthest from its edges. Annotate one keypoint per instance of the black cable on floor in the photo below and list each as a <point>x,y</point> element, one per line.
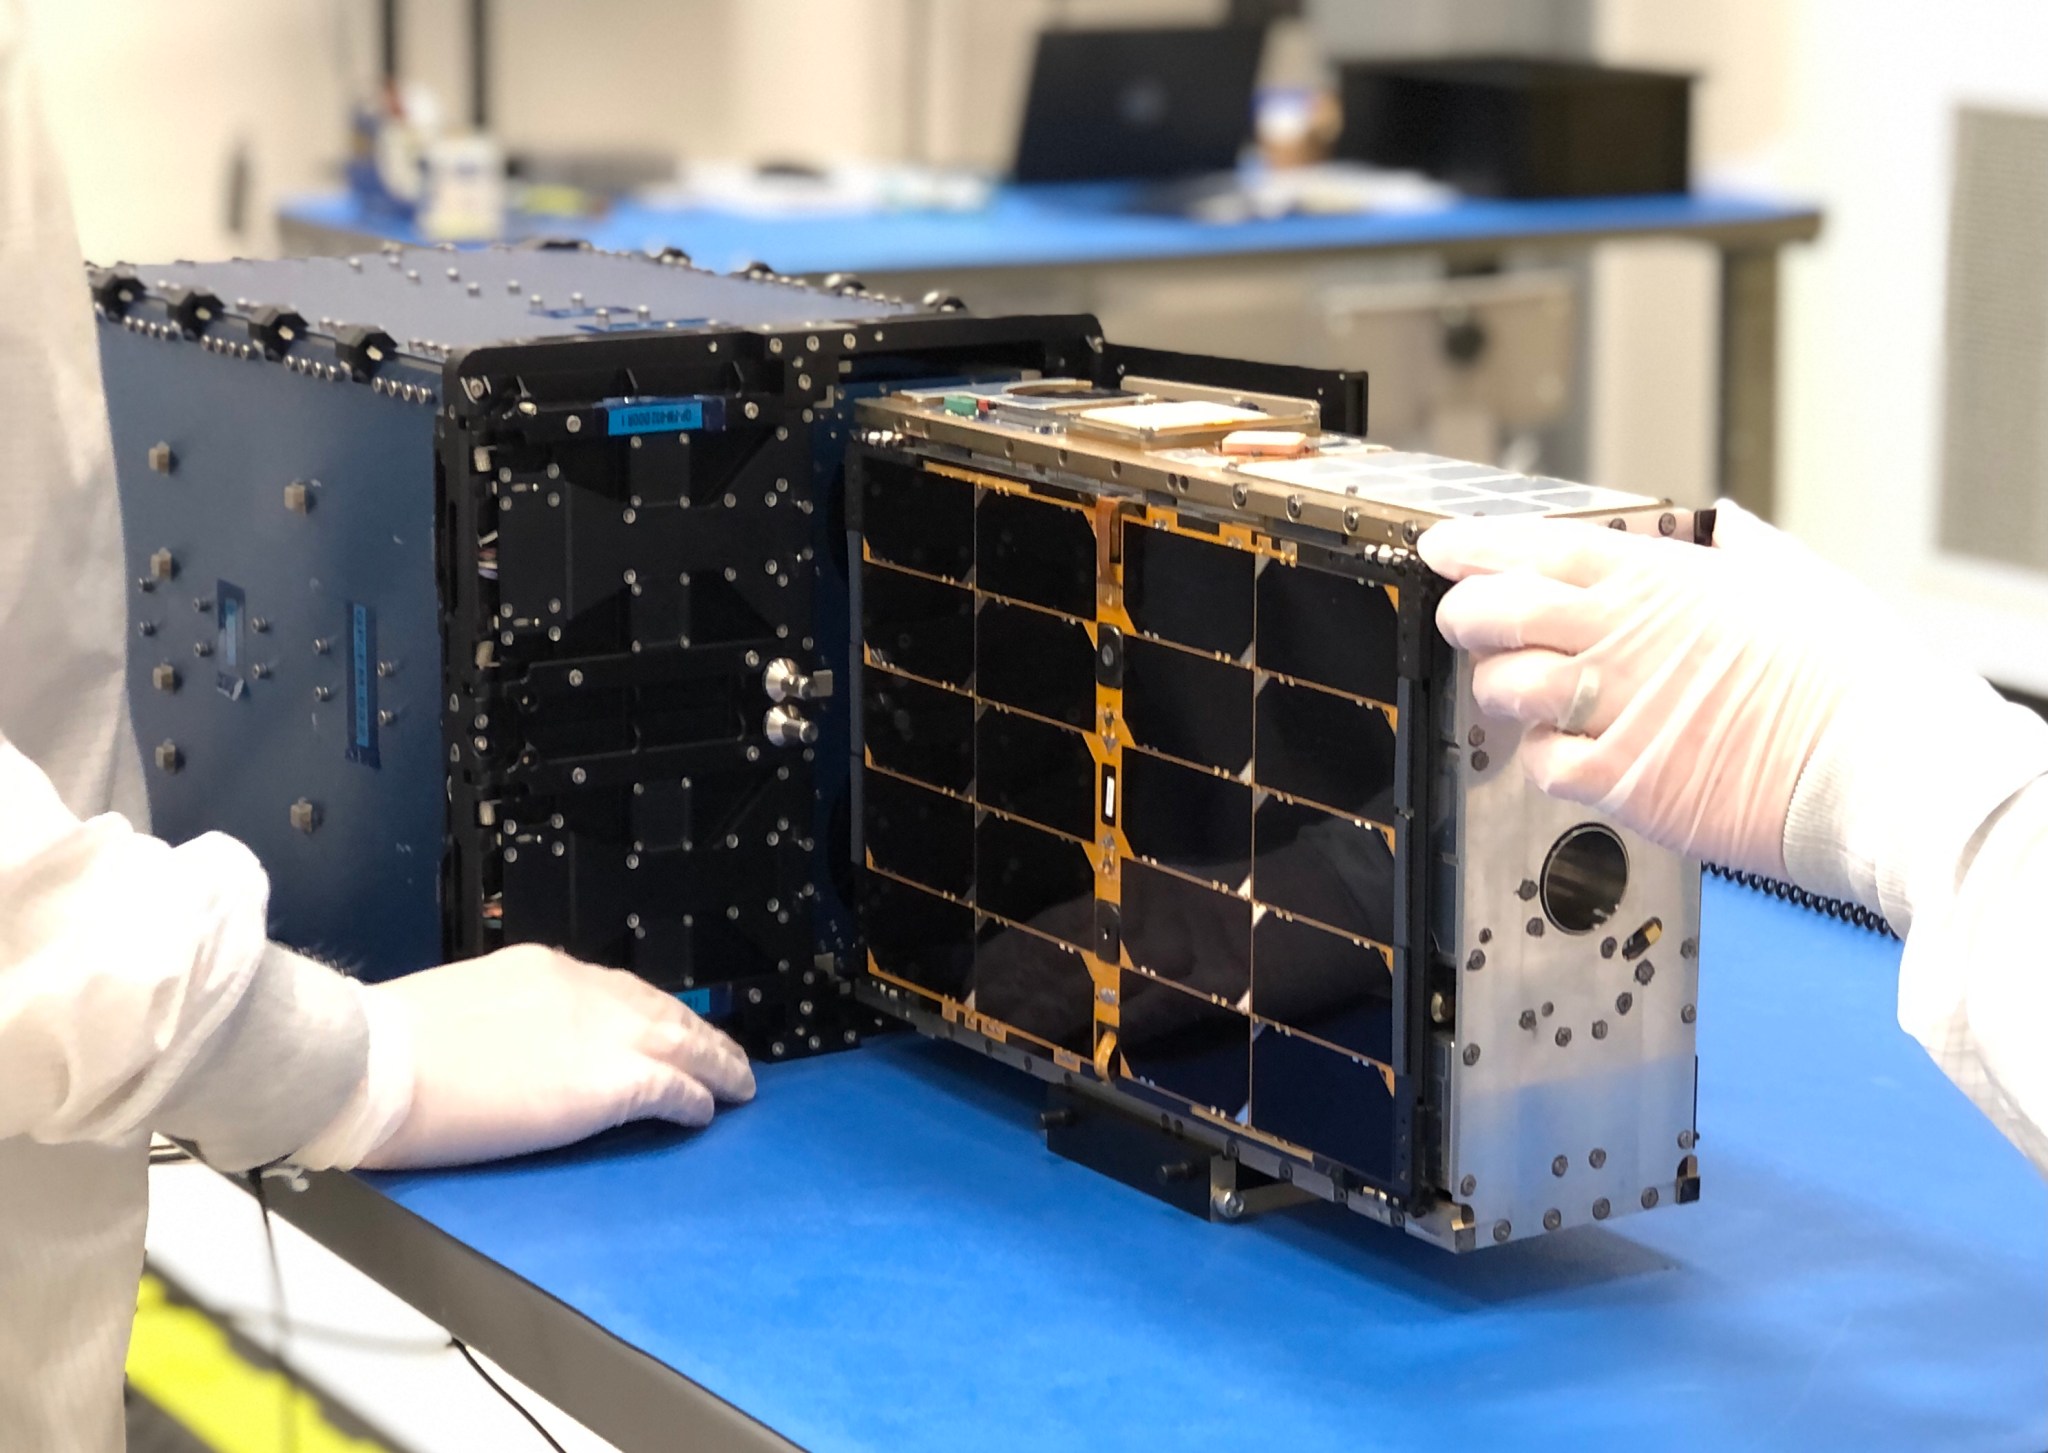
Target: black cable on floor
<point>516,1406</point>
<point>284,1326</point>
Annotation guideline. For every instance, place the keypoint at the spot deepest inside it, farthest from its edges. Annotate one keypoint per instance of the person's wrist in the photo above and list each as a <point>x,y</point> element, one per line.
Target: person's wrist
<point>382,1100</point>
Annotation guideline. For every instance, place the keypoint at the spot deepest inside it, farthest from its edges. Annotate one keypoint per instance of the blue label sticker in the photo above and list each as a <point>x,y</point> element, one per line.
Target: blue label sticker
<point>657,416</point>
<point>228,610</point>
<point>697,1000</point>
<point>362,694</point>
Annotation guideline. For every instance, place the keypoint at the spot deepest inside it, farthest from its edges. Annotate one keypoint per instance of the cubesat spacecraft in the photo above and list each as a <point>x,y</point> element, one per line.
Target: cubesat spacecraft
<point>837,662</point>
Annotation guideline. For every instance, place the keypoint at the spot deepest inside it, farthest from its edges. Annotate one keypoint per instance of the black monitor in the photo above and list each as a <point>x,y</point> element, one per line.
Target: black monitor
<point>1138,104</point>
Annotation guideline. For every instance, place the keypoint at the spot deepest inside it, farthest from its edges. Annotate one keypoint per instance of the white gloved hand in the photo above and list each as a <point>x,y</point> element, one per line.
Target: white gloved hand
<point>524,1049</point>
<point>1749,703</point>
<point>1678,689</point>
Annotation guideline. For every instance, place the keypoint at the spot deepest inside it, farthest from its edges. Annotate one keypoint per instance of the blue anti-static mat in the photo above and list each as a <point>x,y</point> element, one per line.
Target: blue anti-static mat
<point>880,1254</point>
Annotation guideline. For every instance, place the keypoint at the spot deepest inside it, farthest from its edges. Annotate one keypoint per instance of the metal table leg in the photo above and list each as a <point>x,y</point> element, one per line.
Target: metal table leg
<point>1749,378</point>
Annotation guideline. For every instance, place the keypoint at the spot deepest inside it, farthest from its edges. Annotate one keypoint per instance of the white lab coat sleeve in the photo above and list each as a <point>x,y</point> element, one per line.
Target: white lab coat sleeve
<point>138,991</point>
<point>1940,822</point>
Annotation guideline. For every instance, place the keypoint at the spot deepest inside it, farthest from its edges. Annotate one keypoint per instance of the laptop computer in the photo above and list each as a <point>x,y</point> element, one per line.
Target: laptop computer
<point>1138,105</point>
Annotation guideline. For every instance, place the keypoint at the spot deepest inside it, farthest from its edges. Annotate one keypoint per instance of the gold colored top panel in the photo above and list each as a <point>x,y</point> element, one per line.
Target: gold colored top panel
<point>1345,485</point>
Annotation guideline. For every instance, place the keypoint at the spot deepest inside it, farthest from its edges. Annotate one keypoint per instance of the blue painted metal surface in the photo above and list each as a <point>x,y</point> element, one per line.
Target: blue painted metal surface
<point>880,1254</point>
<point>1073,225</point>
<point>322,679</point>
<point>255,737</point>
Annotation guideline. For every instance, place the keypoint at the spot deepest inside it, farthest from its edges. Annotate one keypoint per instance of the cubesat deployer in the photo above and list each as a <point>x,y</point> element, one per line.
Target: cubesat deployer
<point>837,662</point>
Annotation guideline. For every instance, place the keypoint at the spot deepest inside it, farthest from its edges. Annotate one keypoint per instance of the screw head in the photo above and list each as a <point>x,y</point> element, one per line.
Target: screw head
<point>1502,1230</point>
<point>1601,1210</point>
<point>1535,927</point>
<point>1564,1036</point>
<point>1596,1157</point>
<point>1480,761</point>
<point>1645,972</point>
<point>1528,1019</point>
<point>1471,1054</point>
<point>1607,948</point>
<point>1623,1002</point>
<point>1468,1185</point>
<point>1689,949</point>
<point>1477,960</point>
<point>1687,1014</point>
<point>1559,1165</point>
<point>1685,1140</point>
<point>1649,1197</point>
<point>579,776</point>
<point>1599,1029</point>
<point>1552,1219</point>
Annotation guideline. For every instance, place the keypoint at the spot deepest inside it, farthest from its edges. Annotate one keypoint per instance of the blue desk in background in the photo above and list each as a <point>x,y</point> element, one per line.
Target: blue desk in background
<point>1068,248</point>
<point>1082,225</point>
<point>880,1254</point>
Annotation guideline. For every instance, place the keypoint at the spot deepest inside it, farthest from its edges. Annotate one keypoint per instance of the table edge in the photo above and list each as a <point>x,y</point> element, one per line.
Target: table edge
<point>613,1388</point>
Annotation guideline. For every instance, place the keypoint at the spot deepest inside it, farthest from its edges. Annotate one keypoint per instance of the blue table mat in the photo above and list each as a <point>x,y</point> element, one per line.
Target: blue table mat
<point>1049,226</point>
<point>879,1253</point>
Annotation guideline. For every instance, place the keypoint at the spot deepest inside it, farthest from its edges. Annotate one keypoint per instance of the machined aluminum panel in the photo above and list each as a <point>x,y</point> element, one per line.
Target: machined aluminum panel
<point>1568,1075</point>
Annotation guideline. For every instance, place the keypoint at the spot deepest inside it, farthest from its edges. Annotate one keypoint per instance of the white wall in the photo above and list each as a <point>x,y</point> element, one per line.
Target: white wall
<point>150,102</point>
<point>1874,86</point>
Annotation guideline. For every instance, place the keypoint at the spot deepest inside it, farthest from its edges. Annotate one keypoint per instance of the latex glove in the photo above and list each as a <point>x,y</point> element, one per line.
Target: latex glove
<point>522,1050</point>
<point>1676,688</point>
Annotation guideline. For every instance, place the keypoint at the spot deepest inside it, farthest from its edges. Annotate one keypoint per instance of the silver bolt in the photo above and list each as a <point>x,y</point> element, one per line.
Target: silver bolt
<point>574,423</point>
<point>1596,1157</point>
<point>1229,1206</point>
<point>1559,1165</point>
<point>1471,1054</point>
<point>576,677</point>
<point>1502,1230</point>
<point>323,693</point>
<point>1649,1197</point>
<point>1468,1185</point>
<point>1552,1219</point>
<point>579,776</point>
<point>1687,1014</point>
<point>1601,1209</point>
